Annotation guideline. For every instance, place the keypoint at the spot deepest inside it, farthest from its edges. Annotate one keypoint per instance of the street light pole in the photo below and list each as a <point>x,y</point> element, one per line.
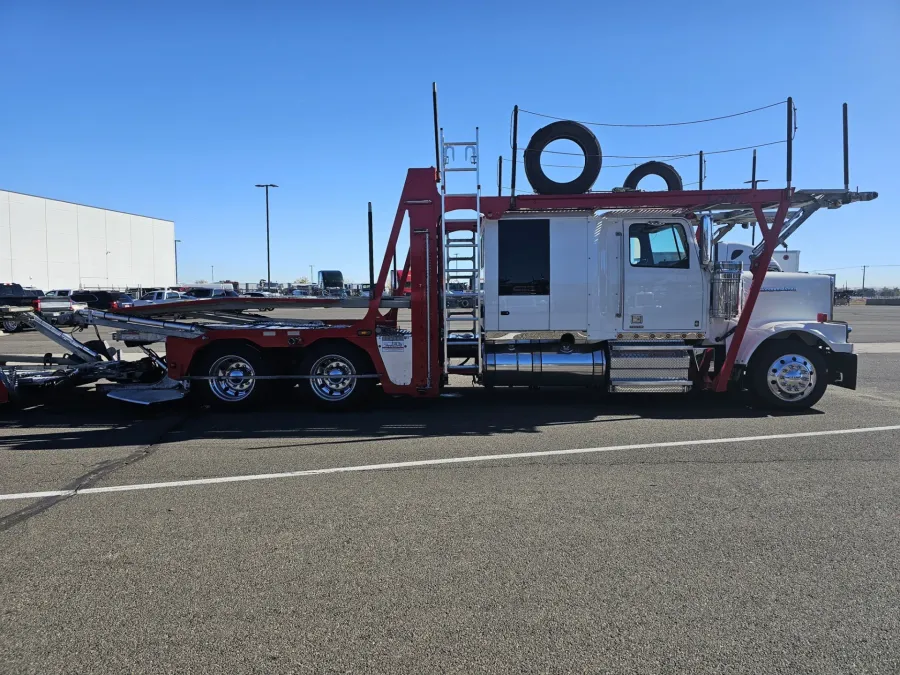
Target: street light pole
<point>212,274</point>
<point>268,254</point>
<point>177,241</point>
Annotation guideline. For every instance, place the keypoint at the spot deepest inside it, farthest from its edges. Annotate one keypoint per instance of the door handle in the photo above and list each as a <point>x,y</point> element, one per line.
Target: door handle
<point>621,275</point>
<point>504,313</point>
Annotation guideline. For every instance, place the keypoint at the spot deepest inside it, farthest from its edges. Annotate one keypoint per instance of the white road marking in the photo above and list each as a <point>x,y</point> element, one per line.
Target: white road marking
<point>876,347</point>
<point>436,462</point>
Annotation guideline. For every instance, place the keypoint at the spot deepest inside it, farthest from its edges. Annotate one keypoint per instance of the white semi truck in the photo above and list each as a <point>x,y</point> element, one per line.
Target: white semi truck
<point>627,301</point>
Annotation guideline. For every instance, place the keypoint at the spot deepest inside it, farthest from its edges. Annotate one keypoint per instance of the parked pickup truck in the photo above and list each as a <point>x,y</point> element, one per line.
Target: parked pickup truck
<point>14,295</point>
<point>53,310</point>
<point>15,300</point>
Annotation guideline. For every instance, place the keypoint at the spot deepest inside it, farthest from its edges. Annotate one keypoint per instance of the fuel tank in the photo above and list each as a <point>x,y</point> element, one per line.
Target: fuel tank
<point>535,363</point>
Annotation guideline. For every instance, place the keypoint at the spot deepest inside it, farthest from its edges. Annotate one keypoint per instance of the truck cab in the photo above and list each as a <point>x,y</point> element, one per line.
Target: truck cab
<point>598,276</point>
<point>331,283</point>
<point>637,292</point>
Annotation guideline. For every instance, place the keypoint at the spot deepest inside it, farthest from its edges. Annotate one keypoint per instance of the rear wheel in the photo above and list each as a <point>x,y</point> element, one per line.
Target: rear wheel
<point>333,369</point>
<point>788,375</point>
<point>12,326</point>
<point>231,370</point>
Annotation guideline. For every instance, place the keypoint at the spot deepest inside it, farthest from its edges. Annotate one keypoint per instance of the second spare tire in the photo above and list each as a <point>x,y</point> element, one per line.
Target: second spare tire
<point>665,171</point>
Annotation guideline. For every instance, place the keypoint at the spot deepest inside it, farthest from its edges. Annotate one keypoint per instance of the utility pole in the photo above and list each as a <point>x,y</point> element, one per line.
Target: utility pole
<point>177,241</point>
<point>212,274</point>
<point>864,279</point>
<point>311,275</point>
<point>268,255</point>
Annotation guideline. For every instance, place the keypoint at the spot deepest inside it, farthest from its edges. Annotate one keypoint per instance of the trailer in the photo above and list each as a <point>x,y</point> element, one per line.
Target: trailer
<point>615,291</point>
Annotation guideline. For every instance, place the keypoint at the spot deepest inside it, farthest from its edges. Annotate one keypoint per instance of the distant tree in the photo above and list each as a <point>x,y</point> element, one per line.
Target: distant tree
<point>887,292</point>
<point>201,281</point>
<point>302,280</point>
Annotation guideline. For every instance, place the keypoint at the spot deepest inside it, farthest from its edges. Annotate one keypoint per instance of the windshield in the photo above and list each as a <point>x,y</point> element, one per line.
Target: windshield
<point>201,292</point>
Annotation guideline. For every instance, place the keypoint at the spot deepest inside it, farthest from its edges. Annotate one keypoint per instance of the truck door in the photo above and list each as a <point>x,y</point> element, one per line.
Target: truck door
<point>523,264</point>
<point>663,284</point>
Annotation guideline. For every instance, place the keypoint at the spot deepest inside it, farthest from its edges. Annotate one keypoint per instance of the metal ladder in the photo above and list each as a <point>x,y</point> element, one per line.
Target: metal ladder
<point>461,310</point>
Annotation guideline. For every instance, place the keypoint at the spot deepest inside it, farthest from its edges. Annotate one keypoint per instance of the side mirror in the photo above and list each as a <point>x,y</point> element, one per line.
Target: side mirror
<point>706,240</point>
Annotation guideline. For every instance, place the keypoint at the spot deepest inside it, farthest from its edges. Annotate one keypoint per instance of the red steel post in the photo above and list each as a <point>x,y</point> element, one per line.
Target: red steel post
<point>770,237</point>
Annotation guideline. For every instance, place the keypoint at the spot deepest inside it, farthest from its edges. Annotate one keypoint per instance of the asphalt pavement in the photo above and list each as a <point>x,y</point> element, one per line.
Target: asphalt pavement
<point>503,531</point>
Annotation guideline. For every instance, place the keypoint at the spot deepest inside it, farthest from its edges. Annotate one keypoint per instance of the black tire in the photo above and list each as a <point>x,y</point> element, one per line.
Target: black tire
<point>767,366</point>
<point>665,171</point>
<point>12,326</point>
<point>100,347</point>
<point>563,131</point>
<point>335,393</point>
<point>231,393</point>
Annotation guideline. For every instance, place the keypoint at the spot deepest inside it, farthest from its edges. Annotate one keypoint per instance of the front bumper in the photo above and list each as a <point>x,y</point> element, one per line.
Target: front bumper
<point>842,369</point>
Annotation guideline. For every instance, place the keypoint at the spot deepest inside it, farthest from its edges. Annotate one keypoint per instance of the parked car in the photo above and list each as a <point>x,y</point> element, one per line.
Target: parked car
<point>102,300</point>
<point>261,294</point>
<point>220,286</point>
<point>206,293</point>
<point>60,293</point>
<point>160,297</point>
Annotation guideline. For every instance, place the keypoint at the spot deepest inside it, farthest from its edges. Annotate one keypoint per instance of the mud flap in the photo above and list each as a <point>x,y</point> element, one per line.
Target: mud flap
<point>842,369</point>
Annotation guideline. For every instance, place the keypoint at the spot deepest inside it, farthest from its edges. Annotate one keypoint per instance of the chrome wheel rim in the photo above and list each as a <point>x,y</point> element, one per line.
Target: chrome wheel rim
<point>232,378</point>
<point>791,377</point>
<point>332,378</point>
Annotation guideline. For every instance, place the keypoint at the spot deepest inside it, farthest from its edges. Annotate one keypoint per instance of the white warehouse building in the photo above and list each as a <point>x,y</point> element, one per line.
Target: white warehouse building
<point>47,243</point>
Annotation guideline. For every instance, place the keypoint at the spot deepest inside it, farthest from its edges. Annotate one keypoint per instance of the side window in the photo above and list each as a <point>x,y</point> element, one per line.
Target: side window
<point>658,245</point>
<point>524,257</point>
<point>169,296</point>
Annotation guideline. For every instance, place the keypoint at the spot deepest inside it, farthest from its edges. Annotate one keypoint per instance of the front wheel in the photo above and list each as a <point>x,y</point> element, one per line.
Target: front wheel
<point>788,375</point>
<point>333,382</point>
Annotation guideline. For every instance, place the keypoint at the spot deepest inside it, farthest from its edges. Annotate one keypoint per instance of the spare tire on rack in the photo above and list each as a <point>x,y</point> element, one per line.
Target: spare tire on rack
<point>665,171</point>
<point>563,131</point>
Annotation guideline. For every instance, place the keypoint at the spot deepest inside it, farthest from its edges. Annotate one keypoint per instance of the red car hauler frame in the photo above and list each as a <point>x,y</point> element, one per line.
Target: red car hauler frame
<point>420,201</point>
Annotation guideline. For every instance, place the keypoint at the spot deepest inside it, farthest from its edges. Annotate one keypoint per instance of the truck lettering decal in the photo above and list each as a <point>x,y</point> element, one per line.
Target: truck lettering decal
<point>393,345</point>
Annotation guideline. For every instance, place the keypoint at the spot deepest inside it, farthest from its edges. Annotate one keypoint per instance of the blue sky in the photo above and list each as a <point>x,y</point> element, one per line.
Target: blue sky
<point>176,109</point>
